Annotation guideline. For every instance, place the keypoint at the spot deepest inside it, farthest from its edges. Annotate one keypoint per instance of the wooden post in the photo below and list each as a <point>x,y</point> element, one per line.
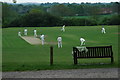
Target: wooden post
<point>51,55</point>
<point>112,59</point>
<point>75,56</point>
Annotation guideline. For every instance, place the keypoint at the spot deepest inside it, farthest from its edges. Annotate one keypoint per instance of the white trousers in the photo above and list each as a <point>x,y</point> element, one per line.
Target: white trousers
<point>42,42</point>
<point>82,43</point>
<point>35,34</point>
<point>63,29</point>
<point>19,34</point>
<point>59,44</point>
<point>103,31</point>
<point>25,33</point>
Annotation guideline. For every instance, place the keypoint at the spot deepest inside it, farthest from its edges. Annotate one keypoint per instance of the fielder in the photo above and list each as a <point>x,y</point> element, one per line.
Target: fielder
<point>59,39</point>
<point>42,37</point>
<point>19,33</point>
<point>82,40</point>
<point>35,33</point>
<point>103,30</point>
<point>63,28</point>
<point>25,32</point>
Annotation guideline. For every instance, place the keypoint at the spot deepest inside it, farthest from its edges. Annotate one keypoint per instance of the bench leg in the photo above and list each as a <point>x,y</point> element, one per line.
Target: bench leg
<point>75,60</point>
<point>112,59</point>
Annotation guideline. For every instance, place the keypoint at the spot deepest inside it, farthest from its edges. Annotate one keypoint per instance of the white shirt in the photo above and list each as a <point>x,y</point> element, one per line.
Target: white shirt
<point>81,39</point>
<point>59,39</point>
<point>25,30</point>
<point>42,37</point>
<point>103,28</point>
<point>35,31</point>
<point>19,33</point>
<point>63,26</point>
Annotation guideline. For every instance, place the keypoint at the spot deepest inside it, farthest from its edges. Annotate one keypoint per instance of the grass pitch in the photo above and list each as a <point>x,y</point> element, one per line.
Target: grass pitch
<point>18,55</point>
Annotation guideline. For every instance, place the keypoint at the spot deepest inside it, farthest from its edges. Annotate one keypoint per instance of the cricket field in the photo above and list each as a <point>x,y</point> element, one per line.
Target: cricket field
<point>18,55</point>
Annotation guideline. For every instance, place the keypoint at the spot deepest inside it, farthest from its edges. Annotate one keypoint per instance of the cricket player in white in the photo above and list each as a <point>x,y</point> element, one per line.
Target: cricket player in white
<point>59,39</point>
<point>35,33</point>
<point>82,40</point>
<point>19,33</point>
<point>63,28</point>
<point>103,30</point>
<point>42,38</point>
<point>25,32</point>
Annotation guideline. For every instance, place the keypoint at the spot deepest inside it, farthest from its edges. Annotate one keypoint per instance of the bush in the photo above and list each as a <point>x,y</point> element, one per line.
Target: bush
<point>36,20</point>
<point>110,20</point>
<point>44,19</point>
<point>79,22</point>
<point>114,20</point>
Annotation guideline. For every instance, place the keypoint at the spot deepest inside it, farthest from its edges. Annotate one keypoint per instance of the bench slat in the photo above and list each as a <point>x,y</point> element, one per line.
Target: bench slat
<point>94,52</point>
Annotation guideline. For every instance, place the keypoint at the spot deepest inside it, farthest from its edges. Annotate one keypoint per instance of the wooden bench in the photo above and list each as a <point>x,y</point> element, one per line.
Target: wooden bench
<point>93,52</point>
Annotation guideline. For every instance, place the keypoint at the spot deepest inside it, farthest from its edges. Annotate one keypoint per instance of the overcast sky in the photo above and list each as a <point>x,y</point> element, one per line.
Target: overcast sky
<point>61,1</point>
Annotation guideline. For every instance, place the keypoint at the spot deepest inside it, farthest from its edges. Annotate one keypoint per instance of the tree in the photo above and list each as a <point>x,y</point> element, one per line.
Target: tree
<point>14,1</point>
<point>8,14</point>
<point>60,10</point>
<point>36,18</point>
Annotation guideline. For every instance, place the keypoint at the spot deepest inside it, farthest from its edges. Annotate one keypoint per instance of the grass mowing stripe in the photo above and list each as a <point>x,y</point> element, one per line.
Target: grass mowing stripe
<point>19,55</point>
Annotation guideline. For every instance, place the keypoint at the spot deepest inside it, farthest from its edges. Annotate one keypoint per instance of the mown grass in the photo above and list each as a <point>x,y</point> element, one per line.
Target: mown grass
<point>18,55</point>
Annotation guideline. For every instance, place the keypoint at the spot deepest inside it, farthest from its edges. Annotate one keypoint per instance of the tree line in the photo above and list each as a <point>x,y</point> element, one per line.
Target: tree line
<point>56,14</point>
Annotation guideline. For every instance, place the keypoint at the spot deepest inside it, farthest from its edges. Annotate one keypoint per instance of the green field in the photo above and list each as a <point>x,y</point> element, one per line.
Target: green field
<point>18,55</point>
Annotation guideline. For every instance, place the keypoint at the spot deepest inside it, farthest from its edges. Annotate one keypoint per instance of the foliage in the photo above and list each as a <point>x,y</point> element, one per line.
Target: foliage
<point>60,10</point>
<point>50,14</point>
<point>114,20</point>
<point>78,22</point>
<point>35,19</point>
<point>44,19</point>
<point>8,14</point>
<point>110,20</point>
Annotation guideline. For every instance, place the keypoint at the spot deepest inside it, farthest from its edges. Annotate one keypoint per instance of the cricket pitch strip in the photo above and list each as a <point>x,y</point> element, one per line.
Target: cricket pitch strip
<point>32,40</point>
<point>35,41</point>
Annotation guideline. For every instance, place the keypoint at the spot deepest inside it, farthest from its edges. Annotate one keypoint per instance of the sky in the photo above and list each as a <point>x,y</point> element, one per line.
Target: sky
<point>61,1</point>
